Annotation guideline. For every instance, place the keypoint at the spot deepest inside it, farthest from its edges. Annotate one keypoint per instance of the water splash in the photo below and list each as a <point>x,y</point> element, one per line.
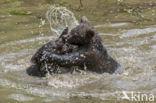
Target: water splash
<point>72,80</point>
<point>40,26</point>
<point>60,18</point>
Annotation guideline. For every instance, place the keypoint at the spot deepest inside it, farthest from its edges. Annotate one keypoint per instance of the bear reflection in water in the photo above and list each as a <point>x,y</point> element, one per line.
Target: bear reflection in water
<point>81,47</point>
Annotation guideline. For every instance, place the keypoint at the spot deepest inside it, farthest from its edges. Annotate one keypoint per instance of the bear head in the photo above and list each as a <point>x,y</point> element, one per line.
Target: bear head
<point>82,34</point>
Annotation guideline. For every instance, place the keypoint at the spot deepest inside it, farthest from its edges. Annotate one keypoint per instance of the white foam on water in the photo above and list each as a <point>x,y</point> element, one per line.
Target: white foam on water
<point>28,40</point>
<point>108,34</point>
<point>15,61</point>
<point>119,24</point>
<point>36,91</point>
<point>153,46</point>
<point>111,25</point>
<point>71,80</point>
<point>48,92</point>
<point>137,32</point>
<point>20,97</point>
<point>60,18</point>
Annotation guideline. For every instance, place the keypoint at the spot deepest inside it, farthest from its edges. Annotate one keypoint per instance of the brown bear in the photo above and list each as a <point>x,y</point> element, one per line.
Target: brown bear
<point>91,54</point>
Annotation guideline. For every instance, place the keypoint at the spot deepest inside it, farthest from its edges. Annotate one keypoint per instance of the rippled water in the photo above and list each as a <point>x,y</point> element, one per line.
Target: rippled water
<point>132,45</point>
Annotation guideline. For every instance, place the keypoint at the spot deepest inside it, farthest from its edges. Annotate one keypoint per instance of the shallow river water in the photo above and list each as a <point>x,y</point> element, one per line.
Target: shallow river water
<point>128,31</point>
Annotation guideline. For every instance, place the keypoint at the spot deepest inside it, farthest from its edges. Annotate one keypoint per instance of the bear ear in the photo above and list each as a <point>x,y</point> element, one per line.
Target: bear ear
<point>64,32</point>
<point>84,19</point>
<point>90,33</point>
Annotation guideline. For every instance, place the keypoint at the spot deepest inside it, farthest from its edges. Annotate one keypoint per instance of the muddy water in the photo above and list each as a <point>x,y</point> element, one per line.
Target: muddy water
<point>129,38</point>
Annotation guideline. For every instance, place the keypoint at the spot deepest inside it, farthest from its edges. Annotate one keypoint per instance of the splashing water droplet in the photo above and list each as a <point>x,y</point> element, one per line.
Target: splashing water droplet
<point>60,18</point>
